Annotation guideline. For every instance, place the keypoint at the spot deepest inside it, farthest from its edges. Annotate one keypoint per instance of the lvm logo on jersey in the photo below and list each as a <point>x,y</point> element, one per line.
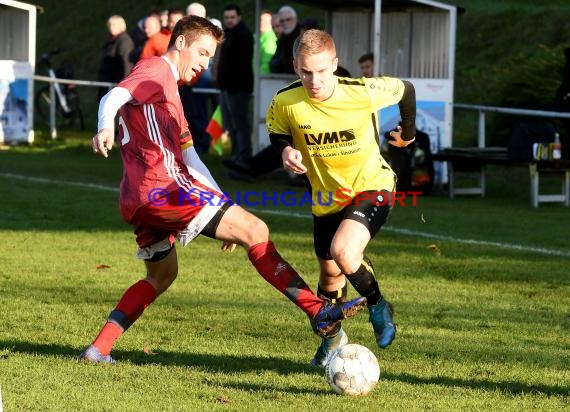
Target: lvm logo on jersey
<point>341,136</point>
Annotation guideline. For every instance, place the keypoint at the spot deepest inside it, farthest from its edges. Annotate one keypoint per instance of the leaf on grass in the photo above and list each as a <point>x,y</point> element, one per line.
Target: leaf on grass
<point>148,351</point>
<point>223,399</point>
<point>434,249</point>
<point>102,266</point>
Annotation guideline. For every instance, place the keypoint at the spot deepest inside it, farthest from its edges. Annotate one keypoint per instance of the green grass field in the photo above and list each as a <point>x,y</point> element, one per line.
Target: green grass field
<point>483,317</point>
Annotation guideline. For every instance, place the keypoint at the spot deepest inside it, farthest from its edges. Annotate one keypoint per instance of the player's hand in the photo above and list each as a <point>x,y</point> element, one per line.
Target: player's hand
<point>103,142</point>
<point>228,246</point>
<point>292,161</point>
<point>397,136</point>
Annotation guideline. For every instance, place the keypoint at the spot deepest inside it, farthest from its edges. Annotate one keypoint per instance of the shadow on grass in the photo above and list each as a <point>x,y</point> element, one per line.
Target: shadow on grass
<point>512,388</point>
<point>208,362</point>
<point>233,364</point>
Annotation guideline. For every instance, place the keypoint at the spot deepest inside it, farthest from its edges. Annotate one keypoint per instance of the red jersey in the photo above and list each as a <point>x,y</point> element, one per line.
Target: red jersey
<point>152,127</point>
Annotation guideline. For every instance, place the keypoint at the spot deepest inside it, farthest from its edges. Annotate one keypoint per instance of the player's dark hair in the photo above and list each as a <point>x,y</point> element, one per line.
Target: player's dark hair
<point>233,7</point>
<point>192,27</point>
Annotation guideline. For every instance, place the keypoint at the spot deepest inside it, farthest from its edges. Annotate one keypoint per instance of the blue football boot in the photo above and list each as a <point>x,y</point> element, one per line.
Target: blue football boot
<point>325,321</point>
<point>381,319</point>
<point>328,346</point>
<point>92,355</point>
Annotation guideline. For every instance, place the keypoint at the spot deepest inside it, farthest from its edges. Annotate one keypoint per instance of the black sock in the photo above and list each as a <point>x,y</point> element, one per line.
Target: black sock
<point>336,296</point>
<point>365,283</point>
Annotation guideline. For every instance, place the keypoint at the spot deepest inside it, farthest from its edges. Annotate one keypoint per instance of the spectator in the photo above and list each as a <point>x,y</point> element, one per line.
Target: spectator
<point>114,63</point>
<point>235,80</point>
<point>412,164</point>
<point>139,39</point>
<point>276,25</point>
<point>309,23</point>
<point>267,41</point>
<point>157,37</point>
<point>282,61</point>
<point>366,62</point>
<point>196,9</point>
<point>268,159</point>
<point>173,16</point>
<point>164,19</point>
<point>197,105</point>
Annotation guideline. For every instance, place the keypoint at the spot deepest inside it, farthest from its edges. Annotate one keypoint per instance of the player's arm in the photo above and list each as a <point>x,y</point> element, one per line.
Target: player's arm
<point>200,171</point>
<point>196,167</point>
<point>291,157</point>
<point>281,139</point>
<point>108,107</point>
<point>406,133</point>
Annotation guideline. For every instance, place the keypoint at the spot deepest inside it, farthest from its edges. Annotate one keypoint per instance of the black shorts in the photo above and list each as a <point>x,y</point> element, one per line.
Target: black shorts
<point>211,227</point>
<point>372,212</point>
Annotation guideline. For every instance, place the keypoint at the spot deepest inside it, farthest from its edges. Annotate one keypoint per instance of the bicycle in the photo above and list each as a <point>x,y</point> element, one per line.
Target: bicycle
<point>68,109</point>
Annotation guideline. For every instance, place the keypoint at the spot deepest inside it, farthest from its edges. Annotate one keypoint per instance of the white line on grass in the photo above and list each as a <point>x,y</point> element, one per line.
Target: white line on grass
<point>408,232</point>
<point>59,182</point>
<point>405,232</point>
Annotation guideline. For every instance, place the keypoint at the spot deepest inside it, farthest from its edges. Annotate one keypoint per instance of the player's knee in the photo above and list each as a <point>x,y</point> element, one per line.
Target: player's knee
<point>258,231</point>
<point>161,274</point>
<point>162,281</point>
<point>347,258</point>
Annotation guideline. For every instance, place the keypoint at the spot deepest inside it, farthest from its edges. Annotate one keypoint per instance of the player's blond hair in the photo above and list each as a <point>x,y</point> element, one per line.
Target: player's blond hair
<point>313,41</point>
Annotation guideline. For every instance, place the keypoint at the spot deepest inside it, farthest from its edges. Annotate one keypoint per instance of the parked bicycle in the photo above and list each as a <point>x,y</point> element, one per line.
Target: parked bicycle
<point>68,109</point>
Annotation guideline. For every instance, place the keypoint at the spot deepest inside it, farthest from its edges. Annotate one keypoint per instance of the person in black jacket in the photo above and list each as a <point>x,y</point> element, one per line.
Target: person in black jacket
<point>282,61</point>
<point>114,64</point>
<point>235,81</point>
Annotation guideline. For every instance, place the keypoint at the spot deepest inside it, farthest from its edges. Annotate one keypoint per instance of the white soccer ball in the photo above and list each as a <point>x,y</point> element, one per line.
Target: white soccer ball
<point>352,370</point>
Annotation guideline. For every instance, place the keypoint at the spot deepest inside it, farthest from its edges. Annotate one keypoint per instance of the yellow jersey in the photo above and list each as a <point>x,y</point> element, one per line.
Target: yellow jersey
<point>338,138</point>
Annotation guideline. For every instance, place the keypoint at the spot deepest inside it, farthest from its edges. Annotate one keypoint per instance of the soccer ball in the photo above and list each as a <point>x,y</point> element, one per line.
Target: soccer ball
<point>352,370</point>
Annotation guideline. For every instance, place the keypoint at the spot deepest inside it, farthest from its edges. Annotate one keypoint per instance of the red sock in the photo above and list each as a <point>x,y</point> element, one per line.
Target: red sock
<point>135,300</point>
<point>283,277</point>
<point>131,306</point>
<point>107,337</point>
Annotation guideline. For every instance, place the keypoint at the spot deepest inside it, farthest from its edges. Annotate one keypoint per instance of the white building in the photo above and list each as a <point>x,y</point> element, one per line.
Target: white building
<point>17,61</point>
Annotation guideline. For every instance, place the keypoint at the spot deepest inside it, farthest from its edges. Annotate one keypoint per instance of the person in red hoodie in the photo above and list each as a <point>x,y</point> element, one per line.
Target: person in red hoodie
<point>158,37</point>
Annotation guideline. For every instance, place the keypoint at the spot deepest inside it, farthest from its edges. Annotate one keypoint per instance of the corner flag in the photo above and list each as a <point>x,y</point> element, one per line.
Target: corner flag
<point>216,129</point>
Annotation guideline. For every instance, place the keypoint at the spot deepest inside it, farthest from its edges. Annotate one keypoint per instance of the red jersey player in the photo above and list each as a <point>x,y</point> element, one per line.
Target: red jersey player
<point>159,163</point>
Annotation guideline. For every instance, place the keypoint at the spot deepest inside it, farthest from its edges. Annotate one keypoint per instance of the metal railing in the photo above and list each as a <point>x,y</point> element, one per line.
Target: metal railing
<point>482,110</point>
<point>52,81</point>
<point>91,83</point>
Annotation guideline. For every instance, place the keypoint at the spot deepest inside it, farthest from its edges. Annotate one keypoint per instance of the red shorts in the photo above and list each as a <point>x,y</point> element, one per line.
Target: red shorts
<point>167,216</point>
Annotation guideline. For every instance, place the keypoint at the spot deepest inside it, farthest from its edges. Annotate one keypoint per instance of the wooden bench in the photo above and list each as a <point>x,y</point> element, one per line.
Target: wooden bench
<point>475,160</point>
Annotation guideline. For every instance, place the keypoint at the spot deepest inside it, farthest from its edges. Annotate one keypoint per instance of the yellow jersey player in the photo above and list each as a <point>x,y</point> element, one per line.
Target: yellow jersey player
<point>326,128</point>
